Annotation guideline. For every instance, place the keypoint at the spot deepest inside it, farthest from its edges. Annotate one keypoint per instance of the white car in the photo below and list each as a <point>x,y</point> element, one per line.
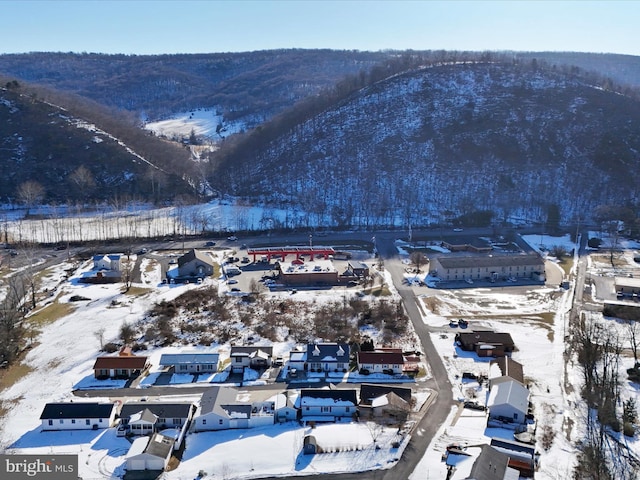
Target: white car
<point>232,238</point>
<point>232,281</point>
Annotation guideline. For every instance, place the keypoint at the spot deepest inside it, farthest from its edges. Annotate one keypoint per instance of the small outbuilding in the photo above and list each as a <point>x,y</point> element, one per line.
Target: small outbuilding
<point>309,445</point>
<point>149,453</point>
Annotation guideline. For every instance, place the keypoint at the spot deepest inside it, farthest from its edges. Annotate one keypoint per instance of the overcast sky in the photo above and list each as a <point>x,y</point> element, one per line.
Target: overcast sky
<point>157,26</point>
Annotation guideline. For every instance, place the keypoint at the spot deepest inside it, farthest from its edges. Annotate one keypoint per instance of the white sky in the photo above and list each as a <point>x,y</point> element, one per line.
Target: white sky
<point>170,26</point>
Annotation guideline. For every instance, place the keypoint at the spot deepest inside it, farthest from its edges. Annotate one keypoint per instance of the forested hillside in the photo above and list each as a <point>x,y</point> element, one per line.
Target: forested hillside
<point>58,148</point>
<point>476,142</point>
<point>250,86</point>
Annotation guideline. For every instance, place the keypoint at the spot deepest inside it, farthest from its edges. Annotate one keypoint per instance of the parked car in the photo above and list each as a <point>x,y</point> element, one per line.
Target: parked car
<point>142,251</point>
<point>463,323</point>
<point>210,244</point>
<point>278,361</point>
<point>232,238</point>
<point>232,281</point>
<point>457,229</point>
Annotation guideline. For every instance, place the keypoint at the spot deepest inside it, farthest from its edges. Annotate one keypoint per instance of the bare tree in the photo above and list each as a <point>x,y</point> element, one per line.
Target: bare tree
<point>100,336</point>
<point>418,259</point>
<point>633,331</point>
<point>83,180</point>
<point>12,329</point>
<point>30,193</point>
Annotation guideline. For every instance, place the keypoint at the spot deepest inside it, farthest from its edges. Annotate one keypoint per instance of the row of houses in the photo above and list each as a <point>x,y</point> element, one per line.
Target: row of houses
<point>224,408</point>
<point>315,357</point>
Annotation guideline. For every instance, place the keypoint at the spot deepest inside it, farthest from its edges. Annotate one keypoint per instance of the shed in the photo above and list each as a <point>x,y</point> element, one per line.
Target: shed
<point>309,445</point>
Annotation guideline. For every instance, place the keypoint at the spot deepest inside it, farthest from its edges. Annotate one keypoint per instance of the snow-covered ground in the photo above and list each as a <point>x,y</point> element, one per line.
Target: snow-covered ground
<point>62,358</point>
<point>64,353</point>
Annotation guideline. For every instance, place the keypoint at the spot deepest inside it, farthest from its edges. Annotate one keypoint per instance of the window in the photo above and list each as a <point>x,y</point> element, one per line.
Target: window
<point>87,422</point>
<point>184,368</point>
<point>73,421</point>
<point>177,421</point>
<point>204,421</point>
<point>347,409</point>
<point>220,421</point>
<point>515,416</point>
<point>61,422</point>
<point>50,422</point>
<point>238,360</point>
<point>325,409</point>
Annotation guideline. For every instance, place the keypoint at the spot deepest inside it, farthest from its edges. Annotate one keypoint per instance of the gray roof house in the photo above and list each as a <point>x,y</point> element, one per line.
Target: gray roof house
<point>77,416</point>
<point>141,418</point>
<point>195,264</point>
<point>222,408</point>
<point>492,465</point>
<point>191,362</point>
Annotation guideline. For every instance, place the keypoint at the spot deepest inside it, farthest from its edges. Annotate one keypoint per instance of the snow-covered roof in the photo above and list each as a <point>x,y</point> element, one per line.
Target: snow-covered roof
<point>511,393</point>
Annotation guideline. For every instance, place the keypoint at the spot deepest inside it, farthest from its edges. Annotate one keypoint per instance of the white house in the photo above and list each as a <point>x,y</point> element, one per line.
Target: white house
<point>106,262</point>
<point>327,405</point>
<point>223,408</point>
<point>508,401</point>
<point>149,453</point>
<point>191,362</point>
<point>297,359</point>
<point>77,416</point>
<point>142,418</point>
<point>256,357</point>
<point>389,362</point>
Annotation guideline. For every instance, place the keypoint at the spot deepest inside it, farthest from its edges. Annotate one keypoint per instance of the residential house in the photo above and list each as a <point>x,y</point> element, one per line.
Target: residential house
<point>190,362</point>
<point>119,367</point>
<point>77,416</point>
<point>492,465</point>
<point>508,402</point>
<point>384,401</point>
<point>504,369</point>
<point>327,405</point>
<point>195,264</point>
<point>223,408</point>
<point>106,262</point>
<point>486,343</point>
<point>524,266</point>
<point>297,359</point>
<point>522,457</point>
<point>327,357</point>
<point>256,357</point>
<point>106,269</point>
<point>388,362</point>
<point>142,418</point>
<point>149,453</point>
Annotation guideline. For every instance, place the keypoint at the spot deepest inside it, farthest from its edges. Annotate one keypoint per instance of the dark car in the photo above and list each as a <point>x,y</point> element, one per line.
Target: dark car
<point>210,244</point>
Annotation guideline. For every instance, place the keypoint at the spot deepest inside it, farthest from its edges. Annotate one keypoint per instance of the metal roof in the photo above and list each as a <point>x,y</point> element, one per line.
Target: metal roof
<point>76,410</point>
